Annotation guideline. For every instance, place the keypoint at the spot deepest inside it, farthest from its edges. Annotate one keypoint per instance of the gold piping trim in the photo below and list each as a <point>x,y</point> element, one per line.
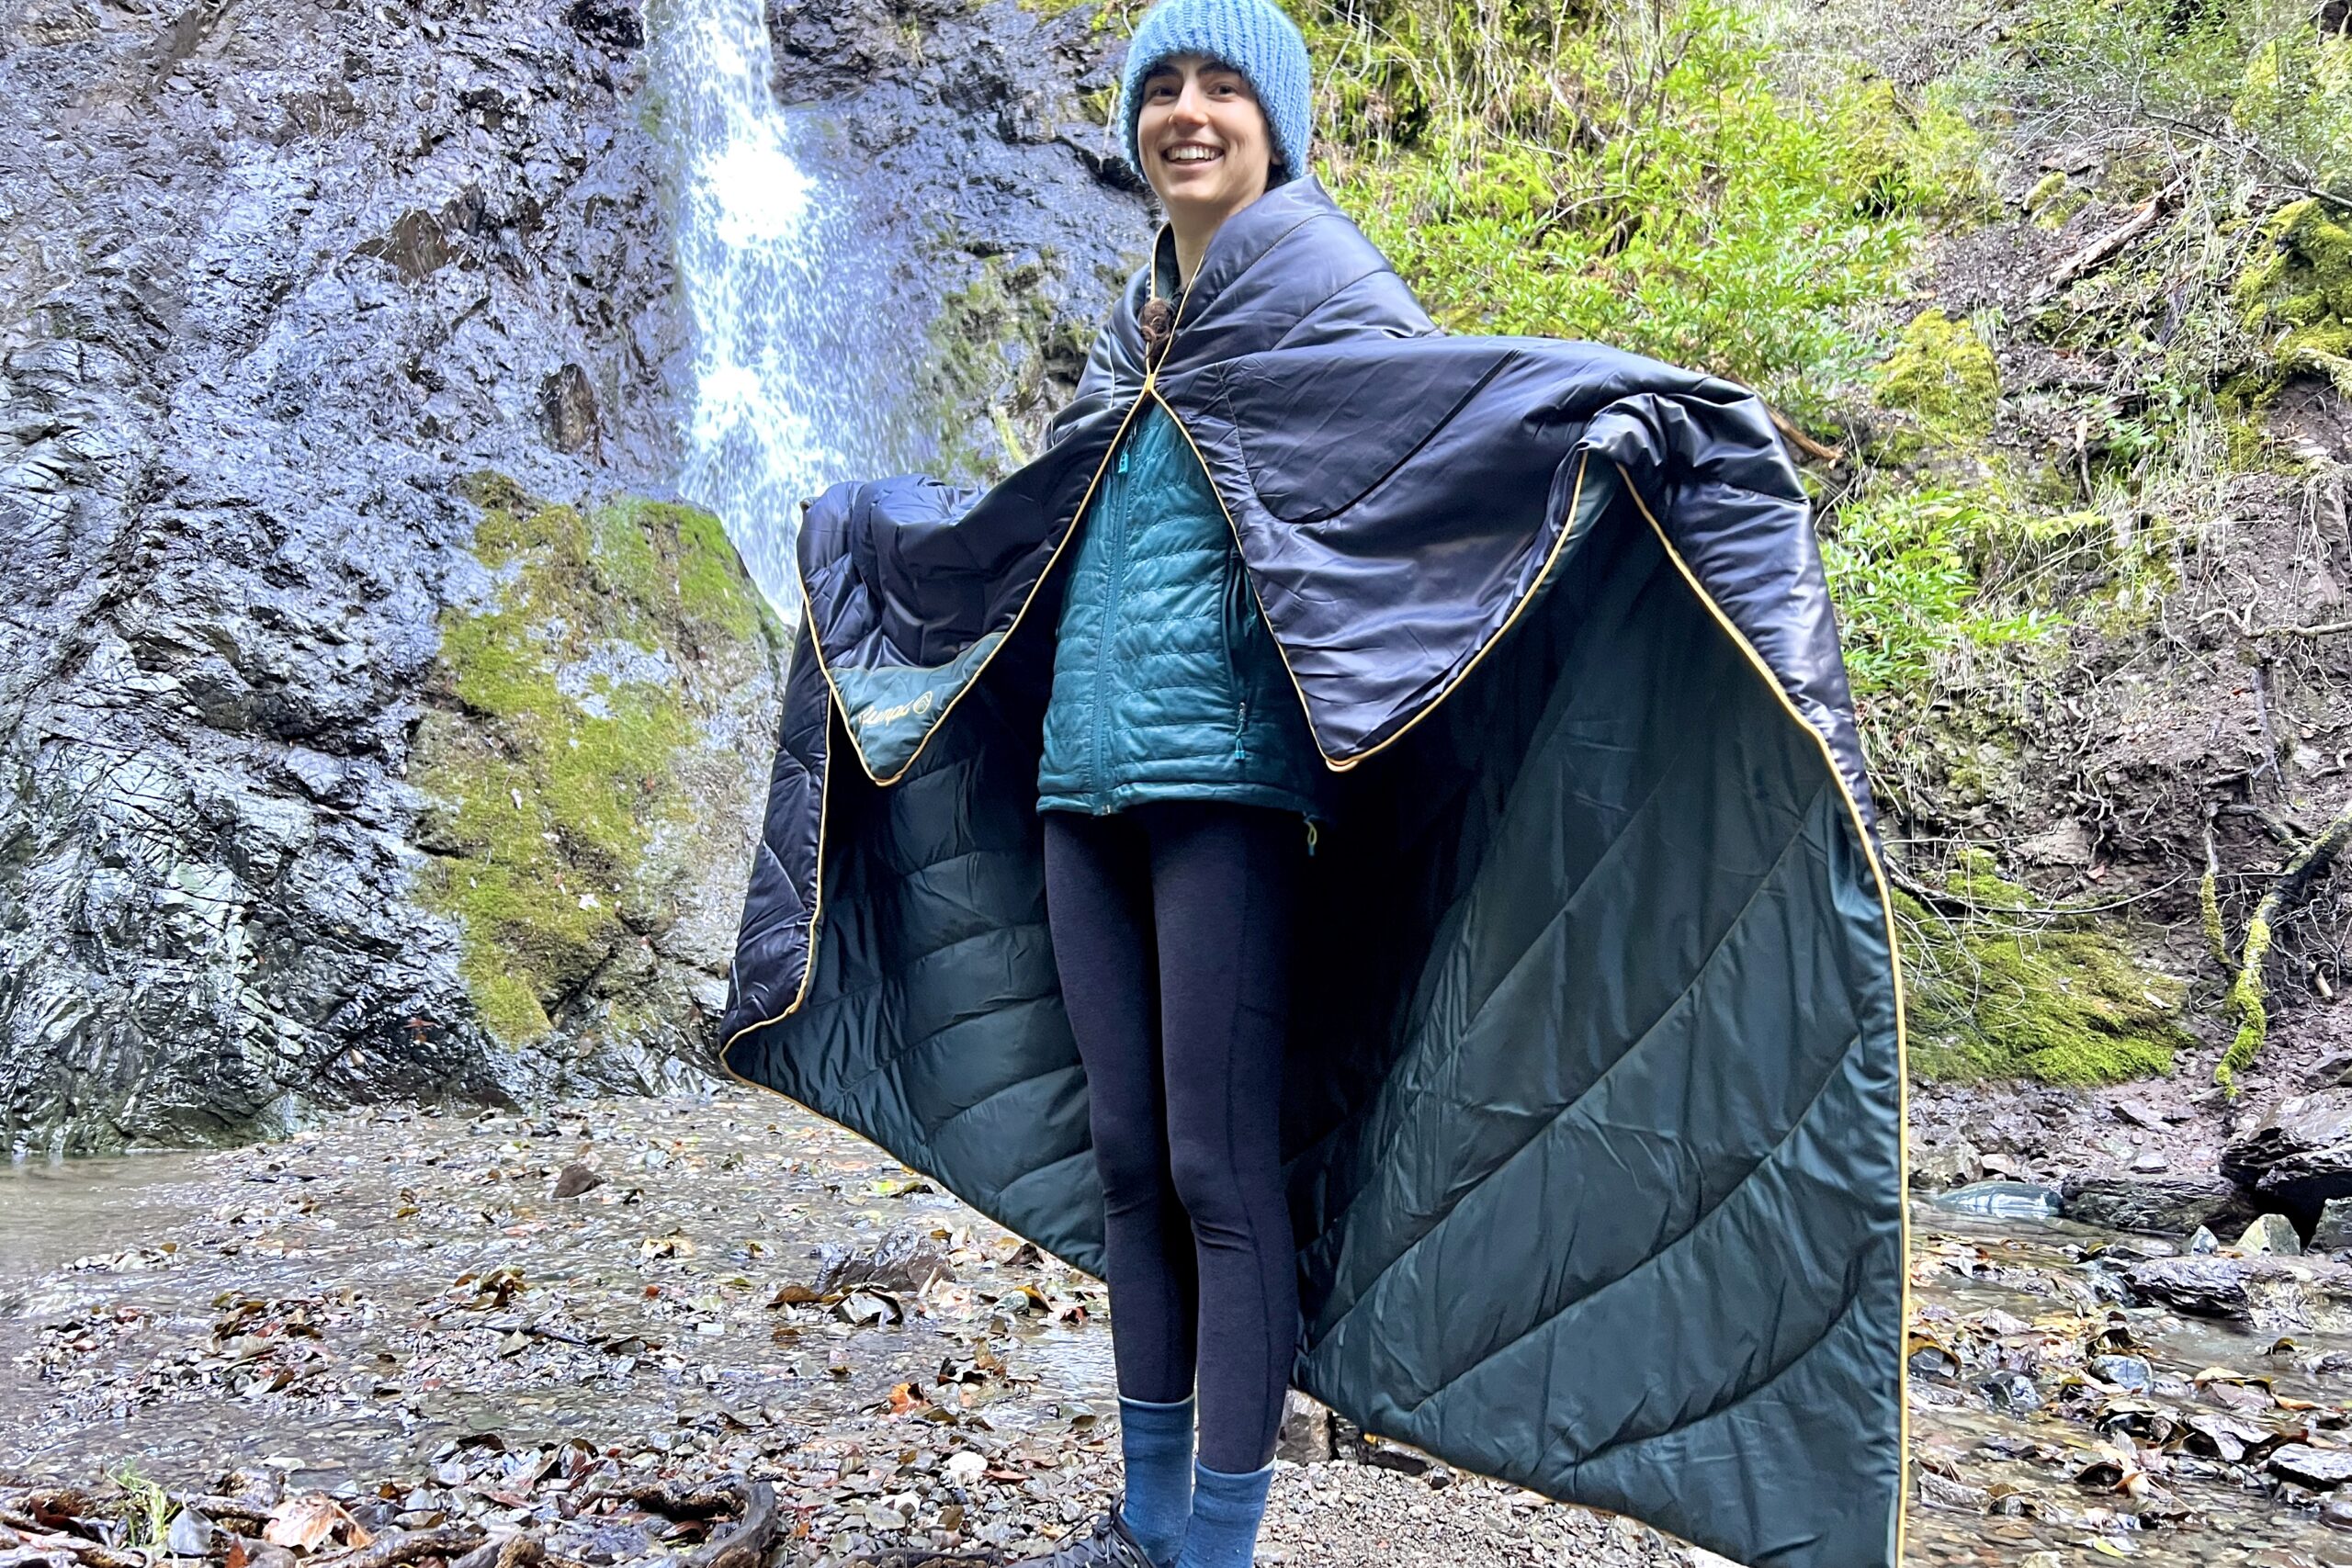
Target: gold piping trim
<point>1341,764</point>
<point>816,902</point>
<point>1894,970</point>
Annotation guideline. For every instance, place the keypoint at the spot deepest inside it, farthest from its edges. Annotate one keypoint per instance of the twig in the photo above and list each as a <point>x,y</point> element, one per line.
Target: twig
<point>519,1550</point>
<point>2104,249</point>
<point>2286,892</point>
<point>2294,179</point>
<point>2331,628</point>
<point>1804,443</point>
<point>678,1503</point>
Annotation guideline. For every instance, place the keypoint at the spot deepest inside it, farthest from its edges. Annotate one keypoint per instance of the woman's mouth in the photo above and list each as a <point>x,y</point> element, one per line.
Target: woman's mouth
<point>1190,156</point>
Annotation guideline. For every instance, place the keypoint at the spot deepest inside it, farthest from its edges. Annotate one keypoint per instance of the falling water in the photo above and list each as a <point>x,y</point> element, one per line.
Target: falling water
<point>795,378</point>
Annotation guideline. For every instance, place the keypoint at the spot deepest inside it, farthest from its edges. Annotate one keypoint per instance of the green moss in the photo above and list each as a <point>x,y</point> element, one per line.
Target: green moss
<point>2059,211</point>
<point>2048,186</point>
<point>552,763</point>
<point>988,346</point>
<point>2011,989</point>
<point>2245,997</point>
<point>1944,374</point>
<point>2298,297</point>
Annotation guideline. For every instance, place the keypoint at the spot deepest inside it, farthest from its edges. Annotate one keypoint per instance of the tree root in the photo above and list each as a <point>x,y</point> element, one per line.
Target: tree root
<point>1817,451</point>
<point>449,1541</point>
<point>746,1543</point>
<point>522,1550</point>
<point>2209,900</point>
<point>2286,892</point>
<point>742,1544</point>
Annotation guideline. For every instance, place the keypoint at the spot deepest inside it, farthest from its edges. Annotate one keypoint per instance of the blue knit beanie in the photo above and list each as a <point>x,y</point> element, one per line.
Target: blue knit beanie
<point>1253,37</point>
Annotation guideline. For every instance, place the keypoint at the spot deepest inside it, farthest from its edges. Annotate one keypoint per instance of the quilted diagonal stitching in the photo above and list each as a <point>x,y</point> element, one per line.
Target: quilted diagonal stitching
<point>1632,1047</point>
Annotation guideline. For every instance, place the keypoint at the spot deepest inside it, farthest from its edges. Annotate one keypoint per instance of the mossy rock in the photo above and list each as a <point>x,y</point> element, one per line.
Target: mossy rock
<point>2013,989</point>
<point>2298,297</point>
<point>594,761</point>
<point>1944,376</point>
<point>983,379</point>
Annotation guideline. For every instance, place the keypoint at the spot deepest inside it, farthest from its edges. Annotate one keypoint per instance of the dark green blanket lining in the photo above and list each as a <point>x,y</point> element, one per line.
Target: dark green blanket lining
<point>880,1090</point>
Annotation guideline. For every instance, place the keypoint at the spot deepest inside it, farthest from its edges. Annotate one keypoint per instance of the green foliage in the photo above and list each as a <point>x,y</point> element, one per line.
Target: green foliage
<point>2256,75</point>
<point>558,772</point>
<point>1904,563</point>
<point>2227,106</point>
<point>147,1514</point>
<point>2009,988</point>
<point>1637,177</point>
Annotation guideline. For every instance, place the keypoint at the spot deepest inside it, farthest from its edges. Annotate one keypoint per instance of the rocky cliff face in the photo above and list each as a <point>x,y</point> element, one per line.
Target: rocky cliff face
<point>976,134</point>
<point>273,277</point>
<point>342,756</point>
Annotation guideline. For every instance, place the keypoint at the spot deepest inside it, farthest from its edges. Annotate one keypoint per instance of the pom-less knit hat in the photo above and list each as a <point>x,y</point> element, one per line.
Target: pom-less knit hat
<point>1253,37</point>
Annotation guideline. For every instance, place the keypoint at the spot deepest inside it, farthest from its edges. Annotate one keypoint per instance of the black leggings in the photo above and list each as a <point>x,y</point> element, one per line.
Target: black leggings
<point>1172,927</point>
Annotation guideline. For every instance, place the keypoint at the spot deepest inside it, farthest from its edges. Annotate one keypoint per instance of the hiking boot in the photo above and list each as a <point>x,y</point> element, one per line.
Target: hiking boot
<point>1105,1544</point>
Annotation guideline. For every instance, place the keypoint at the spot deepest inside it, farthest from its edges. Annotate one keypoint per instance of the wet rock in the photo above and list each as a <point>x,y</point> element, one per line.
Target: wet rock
<point>576,1179</point>
<point>2161,1206</point>
<point>190,1535</point>
<point>2005,1199</point>
<point>1938,1166</point>
<point>2132,1372</point>
<point>1940,1492</point>
<point>2333,1233</point>
<point>2272,1233</point>
<point>1383,1454</point>
<point>2317,1468</point>
<point>904,1262</point>
<point>976,117</point>
<point>2276,1293</point>
<point>613,23</point>
<point>2011,1391</point>
<point>2300,1153</point>
<point>1305,1436</point>
<point>2203,1242</point>
<point>2337,1514</point>
<point>2200,1287</point>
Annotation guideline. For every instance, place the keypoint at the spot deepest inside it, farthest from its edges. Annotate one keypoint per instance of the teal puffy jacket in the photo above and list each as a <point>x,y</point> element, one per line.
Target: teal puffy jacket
<point>1166,685</point>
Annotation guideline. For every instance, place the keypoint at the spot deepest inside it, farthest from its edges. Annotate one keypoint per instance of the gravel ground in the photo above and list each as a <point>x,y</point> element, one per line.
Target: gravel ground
<point>526,1328</point>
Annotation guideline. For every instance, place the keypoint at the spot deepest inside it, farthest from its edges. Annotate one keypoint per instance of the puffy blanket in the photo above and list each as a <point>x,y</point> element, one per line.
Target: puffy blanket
<point>1594,1104</point>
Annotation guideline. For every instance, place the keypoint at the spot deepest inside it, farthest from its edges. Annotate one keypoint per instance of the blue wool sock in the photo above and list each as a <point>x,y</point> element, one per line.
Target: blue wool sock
<point>1226,1511</point>
<point>1156,1441</point>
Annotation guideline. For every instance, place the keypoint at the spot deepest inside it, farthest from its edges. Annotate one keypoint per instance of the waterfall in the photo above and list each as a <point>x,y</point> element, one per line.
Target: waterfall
<point>795,380</point>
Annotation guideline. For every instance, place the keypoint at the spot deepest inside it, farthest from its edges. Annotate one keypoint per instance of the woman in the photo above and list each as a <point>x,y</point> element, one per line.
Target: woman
<point>1576,1106</point>
<point>1176,773</point>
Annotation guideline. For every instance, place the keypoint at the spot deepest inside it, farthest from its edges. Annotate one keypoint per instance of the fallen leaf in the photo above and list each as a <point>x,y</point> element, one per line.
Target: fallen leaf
<point>301,1523</point>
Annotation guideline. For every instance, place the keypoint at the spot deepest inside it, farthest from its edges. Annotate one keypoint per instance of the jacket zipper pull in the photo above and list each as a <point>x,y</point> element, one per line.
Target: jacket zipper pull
<point>1311,835</point>
<point>1122,460</point>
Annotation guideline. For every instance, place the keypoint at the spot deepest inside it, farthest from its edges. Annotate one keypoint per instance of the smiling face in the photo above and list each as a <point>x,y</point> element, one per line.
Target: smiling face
<point>1207,148</point>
